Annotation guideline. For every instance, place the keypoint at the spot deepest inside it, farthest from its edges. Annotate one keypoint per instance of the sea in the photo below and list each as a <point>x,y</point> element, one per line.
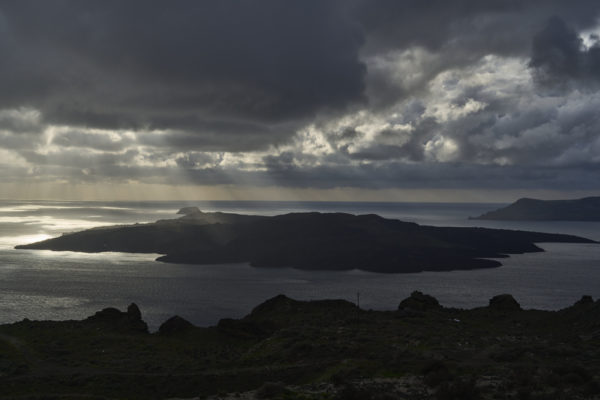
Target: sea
<point>48,285</point>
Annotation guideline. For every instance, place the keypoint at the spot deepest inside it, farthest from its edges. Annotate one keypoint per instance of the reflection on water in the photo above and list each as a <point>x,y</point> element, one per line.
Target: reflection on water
<point>67,285</point>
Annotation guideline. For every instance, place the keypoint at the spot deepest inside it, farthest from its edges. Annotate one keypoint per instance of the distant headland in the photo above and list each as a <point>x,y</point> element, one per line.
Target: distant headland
<point>313,241</point>
<point>586,209</point>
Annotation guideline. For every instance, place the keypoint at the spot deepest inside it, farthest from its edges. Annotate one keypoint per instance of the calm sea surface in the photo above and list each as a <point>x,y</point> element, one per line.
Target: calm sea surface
<point>67,285</point>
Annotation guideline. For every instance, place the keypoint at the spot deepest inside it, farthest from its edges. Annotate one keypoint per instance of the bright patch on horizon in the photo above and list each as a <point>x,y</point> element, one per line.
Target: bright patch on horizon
<point>11,241</point>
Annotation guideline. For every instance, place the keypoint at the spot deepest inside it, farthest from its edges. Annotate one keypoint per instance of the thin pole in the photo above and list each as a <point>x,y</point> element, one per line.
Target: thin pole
<point>357,309</point>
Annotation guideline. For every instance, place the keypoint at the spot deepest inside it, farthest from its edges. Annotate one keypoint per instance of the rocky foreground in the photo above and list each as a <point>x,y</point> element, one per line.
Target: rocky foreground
<point>315,241</point>
<point>330,349</point>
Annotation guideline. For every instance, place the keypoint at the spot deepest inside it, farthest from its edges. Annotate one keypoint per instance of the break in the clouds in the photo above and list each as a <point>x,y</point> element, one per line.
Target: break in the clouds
<point>382,94</point>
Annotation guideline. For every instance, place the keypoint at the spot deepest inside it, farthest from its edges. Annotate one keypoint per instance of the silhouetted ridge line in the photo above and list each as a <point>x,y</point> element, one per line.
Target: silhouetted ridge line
<point>314,349</point>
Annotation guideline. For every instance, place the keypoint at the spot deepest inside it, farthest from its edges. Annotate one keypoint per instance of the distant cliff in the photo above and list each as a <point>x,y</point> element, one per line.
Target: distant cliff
<point>586,209</point>
<point>332,241</point>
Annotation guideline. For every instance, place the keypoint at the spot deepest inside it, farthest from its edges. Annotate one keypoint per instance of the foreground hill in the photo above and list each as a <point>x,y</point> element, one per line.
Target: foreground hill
<point>586,209</point>
<point>334,241</point>
<point>329,349</point>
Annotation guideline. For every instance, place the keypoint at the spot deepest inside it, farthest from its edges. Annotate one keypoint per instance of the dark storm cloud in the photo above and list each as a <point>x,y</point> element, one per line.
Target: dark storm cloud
<point>308,93</point>
<point>149,64</point>
<point>490,26</point>
<point>559,56</point>
<point>392,175</point>
<point>446,176</point>
<point>219,135</point>
<point>459,32</point>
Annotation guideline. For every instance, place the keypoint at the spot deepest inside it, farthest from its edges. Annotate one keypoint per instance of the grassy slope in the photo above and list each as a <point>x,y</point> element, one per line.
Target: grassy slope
<point>434,352</point>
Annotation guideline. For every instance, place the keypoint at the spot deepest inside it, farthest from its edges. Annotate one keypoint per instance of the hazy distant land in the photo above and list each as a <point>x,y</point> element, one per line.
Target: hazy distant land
<point>586,209</point>
<point>334,241</point>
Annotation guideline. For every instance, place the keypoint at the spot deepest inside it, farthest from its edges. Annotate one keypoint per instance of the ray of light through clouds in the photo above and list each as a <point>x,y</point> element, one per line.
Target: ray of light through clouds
<point>324,100</point>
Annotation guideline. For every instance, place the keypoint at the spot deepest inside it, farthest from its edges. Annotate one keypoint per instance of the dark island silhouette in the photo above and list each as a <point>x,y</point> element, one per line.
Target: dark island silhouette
<point>586,209</point>
<point>316,241</point>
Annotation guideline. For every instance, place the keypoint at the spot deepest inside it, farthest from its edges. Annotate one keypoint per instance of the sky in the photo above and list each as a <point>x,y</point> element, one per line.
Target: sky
<point>374,100</point>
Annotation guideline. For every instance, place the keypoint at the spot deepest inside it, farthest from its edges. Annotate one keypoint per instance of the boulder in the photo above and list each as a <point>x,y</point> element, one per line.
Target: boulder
<point>504,302</point>
<point>113,319</point>
<point>134,313</point>
<point>419,302</point>
<point>584,301</point>
<point>174,325</point>
<point>585,306</point>
<point>106,315</point>
<point>280,304</point>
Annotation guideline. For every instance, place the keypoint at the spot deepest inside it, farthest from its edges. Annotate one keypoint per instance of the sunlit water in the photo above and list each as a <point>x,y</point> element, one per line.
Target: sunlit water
<point>67,285</point>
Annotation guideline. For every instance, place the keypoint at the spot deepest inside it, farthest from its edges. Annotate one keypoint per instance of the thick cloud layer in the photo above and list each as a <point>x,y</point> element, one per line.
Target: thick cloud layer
<point>560,56</point>
<point>181,65</point>
<point>321,93</point>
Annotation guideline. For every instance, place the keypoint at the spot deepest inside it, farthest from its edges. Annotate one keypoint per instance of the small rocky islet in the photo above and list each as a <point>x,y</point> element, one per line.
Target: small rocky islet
<point>326,349</point>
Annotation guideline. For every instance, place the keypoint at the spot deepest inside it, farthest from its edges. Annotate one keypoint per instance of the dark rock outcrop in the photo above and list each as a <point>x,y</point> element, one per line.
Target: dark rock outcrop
<point>504,302</point>
<point>175,325</point>
<point>134,313</point>
<point>585,301</point>
<point>419,302</point>
<point>113,319</point>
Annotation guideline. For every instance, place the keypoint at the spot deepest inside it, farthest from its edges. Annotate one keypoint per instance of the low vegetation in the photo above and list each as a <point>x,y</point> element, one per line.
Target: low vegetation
<point>330,349</point>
